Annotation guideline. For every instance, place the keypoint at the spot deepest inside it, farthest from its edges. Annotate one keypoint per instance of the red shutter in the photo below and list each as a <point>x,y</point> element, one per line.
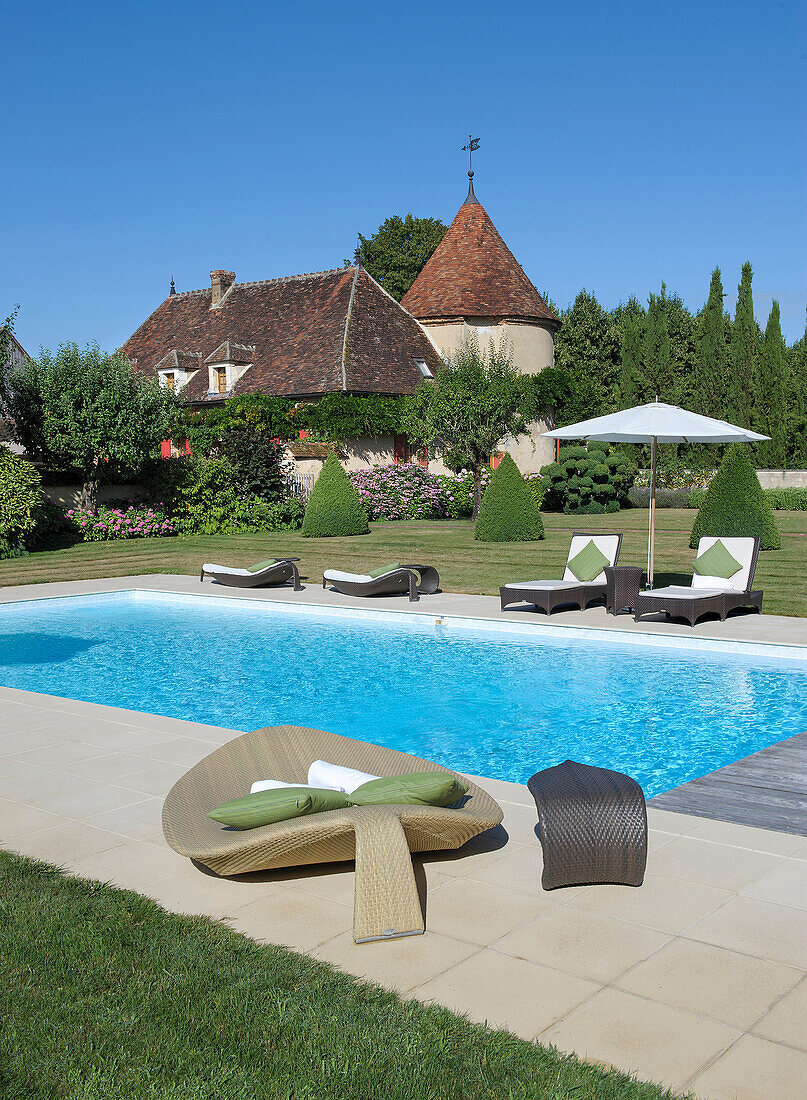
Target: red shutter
<point>496,459</point>
<point>401,449</point>
<point>165,448</point>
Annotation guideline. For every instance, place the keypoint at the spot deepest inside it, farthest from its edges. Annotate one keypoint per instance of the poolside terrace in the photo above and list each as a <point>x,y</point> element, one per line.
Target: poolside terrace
<point>698,979</point>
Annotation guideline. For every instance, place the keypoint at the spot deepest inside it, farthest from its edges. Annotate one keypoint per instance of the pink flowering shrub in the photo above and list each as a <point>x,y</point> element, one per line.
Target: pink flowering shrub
<point>121,523</point>
<point>411,491</point>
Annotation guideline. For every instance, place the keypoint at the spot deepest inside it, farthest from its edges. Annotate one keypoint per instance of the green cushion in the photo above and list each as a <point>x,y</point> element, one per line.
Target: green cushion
<point>267,807</point>
<point>717,561</point>
<point>589,563</point>
<point>384,569</point>
<point>414,789</point>
<point>261,565</point>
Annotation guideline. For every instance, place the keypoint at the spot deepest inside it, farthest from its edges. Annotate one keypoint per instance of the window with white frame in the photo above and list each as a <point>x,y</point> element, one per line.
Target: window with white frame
<point>424,368</point>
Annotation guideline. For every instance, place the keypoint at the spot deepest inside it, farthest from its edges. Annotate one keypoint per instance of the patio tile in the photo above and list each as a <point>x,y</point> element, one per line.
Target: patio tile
<point>755,1069</point>
<point>744,836</point>
<point>654,1041</point>
<point>180,750</point>
<point>477,853</point>
<point>293,919</point>
<point>12,744</point>
<point>668,822</point>
<point>334,882</point>
<point>397,964</point>
<point>478,912</point>
<point>190,890</point>
<point>139,821</point>
<point>156,779</point>
<point>785,884</point>
<point>506,992</point>
<point>520,823</point>
<point>62,844</point>
<point>787,1021</point>
<point>21,782</point>
<point>520,869</point>
<point>17,819</point>
<point>668,905</point>
<point>114,737</point>
<point>132,866</point>
<point>61,755</point>
<point>586,944</point>
<point>81,798</point>
<point>717,865</point>
<point>761,928</point>
<point>711,981</point>
<point>109,766</point>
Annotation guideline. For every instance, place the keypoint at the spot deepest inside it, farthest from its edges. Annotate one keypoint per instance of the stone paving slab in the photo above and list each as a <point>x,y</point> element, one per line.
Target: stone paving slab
<point>698,979</point>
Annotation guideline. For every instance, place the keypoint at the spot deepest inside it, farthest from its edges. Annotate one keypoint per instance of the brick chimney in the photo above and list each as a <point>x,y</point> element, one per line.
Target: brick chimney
<point>221,282</point>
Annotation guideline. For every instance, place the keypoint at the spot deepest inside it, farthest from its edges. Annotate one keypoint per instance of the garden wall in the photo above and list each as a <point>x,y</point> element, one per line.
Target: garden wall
<point>782,479</point>
<point>67,496</point>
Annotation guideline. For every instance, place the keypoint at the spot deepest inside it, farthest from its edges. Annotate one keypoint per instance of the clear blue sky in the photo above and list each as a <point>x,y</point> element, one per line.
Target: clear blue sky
<point>622,144</point>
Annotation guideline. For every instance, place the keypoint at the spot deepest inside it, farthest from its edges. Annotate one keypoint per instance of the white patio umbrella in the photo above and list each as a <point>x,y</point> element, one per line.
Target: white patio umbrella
<point>656,423</point>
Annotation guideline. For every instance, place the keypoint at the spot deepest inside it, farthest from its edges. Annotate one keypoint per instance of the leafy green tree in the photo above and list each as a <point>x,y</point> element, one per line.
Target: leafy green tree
<point>88,412</point>
<point>771,392</point>
<point>398,250</point>
<point>735,504</point>
<point>711,371</point>
<point>20,496</point>
<point>508,512</point>
<point>334,507</point>
<point>587,349</point>
<point>476,399</point>
<point>256,461</point>
<point>744,353</point>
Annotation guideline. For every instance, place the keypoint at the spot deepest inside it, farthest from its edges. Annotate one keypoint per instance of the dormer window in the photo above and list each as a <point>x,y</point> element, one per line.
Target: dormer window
<point>176,369</point>
<point>424,368</point>
<point>220,379</point>
<point>169,379</point>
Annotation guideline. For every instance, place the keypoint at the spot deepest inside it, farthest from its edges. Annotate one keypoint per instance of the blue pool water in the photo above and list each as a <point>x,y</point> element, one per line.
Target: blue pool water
<point>479,701</point>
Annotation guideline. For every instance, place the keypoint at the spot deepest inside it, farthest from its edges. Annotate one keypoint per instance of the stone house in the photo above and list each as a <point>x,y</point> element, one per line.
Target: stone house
<point>339,331</point>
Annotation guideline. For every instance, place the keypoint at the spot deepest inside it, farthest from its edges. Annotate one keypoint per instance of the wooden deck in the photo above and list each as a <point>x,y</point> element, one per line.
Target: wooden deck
<point>767,790</point>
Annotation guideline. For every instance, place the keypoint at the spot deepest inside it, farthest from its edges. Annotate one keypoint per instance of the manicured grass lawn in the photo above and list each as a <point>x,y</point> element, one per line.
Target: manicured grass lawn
<point>105,995</point>
<point>464,565</point>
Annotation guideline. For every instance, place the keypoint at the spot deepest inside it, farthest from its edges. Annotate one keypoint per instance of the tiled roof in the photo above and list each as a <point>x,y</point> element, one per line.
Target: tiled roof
<point>472,273</point>
<point>306,335</point>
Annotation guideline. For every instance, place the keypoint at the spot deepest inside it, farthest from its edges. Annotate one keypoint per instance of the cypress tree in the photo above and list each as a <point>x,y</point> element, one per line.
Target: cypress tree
<point>709,384</point>
<point>798,389</point>
<point>658,379</point>
<point>630,375</point>
<point>735,504</point>
<point>508,512</point>
<point>744,352</point>
<point>334,507</point>
<point>772,389</point>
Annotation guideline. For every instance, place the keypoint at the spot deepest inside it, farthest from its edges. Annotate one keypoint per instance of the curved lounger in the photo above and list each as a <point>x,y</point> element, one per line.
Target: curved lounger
<point>379,838</point>
<point>404,579</point>
<point>277,573</point>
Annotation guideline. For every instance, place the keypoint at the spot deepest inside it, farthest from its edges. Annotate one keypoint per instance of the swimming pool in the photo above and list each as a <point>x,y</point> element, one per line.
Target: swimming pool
<point>479,700</point>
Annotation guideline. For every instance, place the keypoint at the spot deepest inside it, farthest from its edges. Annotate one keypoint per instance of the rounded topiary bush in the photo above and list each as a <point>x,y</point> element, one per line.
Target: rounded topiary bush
<point>587,480</point>
<point>508,512</point>
<point>735,505</point>
<point>334,507</point>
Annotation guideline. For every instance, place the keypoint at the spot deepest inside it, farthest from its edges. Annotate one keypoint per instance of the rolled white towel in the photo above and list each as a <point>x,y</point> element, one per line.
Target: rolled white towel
<point>335,777</point>
<point>274,784</point>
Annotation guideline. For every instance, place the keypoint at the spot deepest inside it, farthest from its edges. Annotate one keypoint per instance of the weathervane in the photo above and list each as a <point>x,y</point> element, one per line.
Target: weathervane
<point>470,149</point>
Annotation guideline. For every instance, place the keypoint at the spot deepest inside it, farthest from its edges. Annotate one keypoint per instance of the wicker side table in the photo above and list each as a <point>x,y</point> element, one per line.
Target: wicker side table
<point>624,582</point>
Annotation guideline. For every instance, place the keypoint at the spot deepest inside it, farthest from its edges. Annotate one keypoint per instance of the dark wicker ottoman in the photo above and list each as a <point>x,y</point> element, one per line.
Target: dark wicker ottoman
<point>593,826</point>
<point>624,582</point>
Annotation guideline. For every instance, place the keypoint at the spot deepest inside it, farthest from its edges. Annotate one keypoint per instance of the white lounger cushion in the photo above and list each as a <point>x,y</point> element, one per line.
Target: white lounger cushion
<point>741,549</point>
<point>606,544</point>
<point>554,586</point>
<point>682,592</point>
<point>336,777</point>
<point>338,575</point>
<point>230,571</point>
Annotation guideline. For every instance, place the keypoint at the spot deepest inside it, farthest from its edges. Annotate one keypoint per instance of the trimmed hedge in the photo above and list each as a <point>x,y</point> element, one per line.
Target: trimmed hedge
<point>508,512</point>
<point>334,507</point>
<point>735,504</point>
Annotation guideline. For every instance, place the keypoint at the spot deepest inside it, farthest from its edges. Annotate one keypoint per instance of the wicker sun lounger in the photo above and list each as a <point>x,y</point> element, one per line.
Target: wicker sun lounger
<point>417,580</point>
<point>548,595</point>
<point>708,594</point>
<point>277,573</point>
<point>593,826</point>
<point>378,838</point>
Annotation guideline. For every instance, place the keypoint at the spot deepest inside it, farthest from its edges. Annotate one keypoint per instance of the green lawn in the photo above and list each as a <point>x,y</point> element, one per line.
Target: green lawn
<point>464,565</point>
<point>105,995</point>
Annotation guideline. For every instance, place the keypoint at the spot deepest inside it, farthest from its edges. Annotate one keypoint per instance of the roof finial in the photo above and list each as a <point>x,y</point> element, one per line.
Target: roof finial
<point>470,149</point>
<point>173,289</point>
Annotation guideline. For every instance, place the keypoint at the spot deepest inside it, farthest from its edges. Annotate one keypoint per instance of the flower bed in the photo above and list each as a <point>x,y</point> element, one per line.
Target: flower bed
<point>121,523</point>
<point>412,491</point>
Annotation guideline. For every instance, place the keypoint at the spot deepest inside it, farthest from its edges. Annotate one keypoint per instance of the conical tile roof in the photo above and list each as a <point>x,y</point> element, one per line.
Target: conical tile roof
<point>472,273</point>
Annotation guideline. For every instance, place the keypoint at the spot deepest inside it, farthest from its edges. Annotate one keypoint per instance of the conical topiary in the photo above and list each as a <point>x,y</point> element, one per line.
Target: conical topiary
<point>508,512</point>
<point>735,504</point>
<point>334,507</point>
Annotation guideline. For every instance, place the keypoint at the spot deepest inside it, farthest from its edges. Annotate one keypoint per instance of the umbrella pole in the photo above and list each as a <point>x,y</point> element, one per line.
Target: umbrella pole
<point>651,533</point>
